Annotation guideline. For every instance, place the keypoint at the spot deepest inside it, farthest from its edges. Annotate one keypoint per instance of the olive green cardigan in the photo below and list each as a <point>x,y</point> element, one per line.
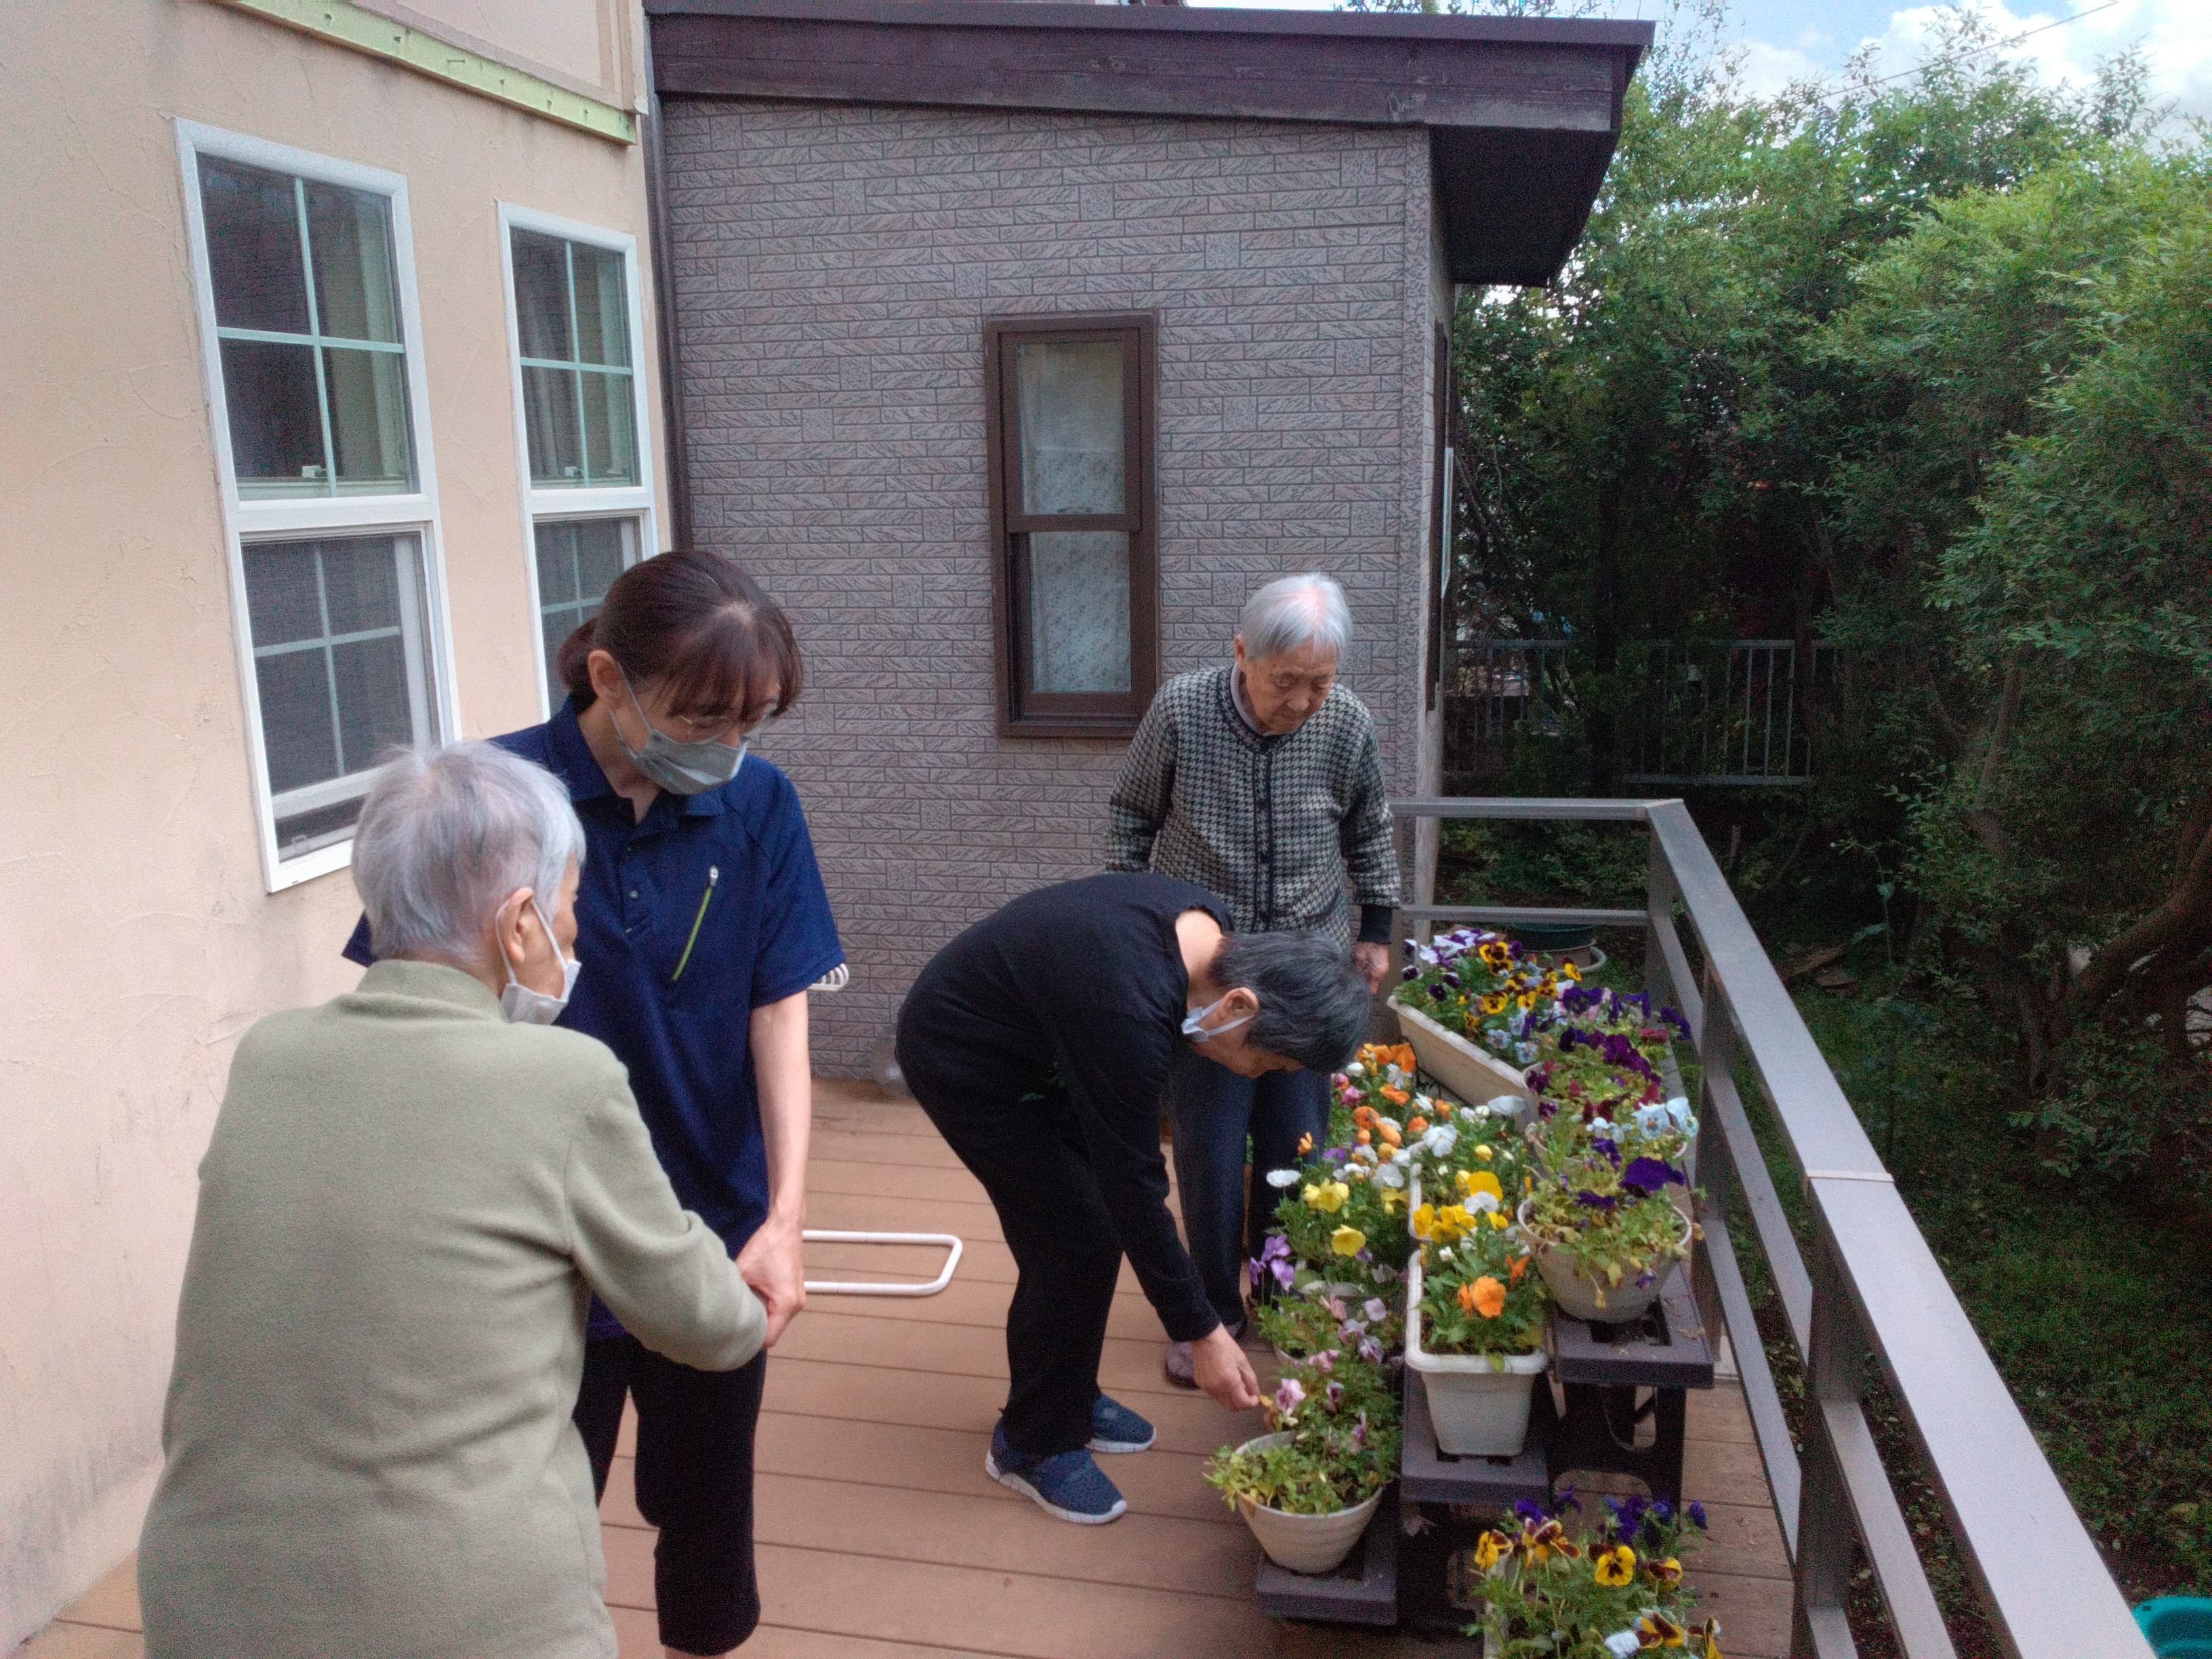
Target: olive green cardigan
<point>369,1453</point>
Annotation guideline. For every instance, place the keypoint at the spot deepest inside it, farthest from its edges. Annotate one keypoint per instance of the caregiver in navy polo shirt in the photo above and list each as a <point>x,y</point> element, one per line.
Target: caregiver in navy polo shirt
<point>701,922</point>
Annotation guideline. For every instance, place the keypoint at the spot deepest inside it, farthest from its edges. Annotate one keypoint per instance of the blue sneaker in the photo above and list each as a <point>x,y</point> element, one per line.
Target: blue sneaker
<point>1115,1428</point>
<point>1066,1486</point>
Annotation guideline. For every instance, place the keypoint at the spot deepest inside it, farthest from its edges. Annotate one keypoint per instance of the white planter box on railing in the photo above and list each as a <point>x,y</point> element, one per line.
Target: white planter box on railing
<point>1473,1073</point>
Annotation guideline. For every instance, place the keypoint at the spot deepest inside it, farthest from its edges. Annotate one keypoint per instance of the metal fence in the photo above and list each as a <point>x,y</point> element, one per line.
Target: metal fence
<point>1870,1290</point>
<point>1727,713</point>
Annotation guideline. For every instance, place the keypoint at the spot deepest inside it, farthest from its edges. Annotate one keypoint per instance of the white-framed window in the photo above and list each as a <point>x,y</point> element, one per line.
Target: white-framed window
<point>303,274</point>
<point>576,337</point>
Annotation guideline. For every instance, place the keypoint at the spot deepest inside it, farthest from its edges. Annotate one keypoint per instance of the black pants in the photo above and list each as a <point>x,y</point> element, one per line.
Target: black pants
<point>695,1481</point>
<point>1213,1108</point>
<point>1066,1246</point>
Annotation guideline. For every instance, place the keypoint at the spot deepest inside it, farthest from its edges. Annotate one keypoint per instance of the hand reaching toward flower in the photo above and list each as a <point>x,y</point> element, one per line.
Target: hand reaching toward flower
<point>1222,1370</point>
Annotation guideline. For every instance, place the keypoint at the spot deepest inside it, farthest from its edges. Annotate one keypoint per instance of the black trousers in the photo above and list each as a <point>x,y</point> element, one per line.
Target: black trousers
<point>1225,1212</point>
<point>695,1481</point>
<point>1066,1247</point>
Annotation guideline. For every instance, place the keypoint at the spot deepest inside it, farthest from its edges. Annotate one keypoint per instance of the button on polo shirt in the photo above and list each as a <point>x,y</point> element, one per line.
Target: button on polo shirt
<point>738,862</point>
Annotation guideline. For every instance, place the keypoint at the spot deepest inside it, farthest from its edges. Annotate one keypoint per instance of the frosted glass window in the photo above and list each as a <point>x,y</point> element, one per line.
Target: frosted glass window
<point>1074,432</point>
<point>1079,610</point>
<point>1071,442</point>
<point>315,366</point>
<point>572,323</point>
<point>342,668</point>
<point>577,560</point>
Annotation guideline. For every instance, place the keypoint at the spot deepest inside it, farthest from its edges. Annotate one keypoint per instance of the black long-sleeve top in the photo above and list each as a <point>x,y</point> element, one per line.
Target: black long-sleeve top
<point>1085,979</point>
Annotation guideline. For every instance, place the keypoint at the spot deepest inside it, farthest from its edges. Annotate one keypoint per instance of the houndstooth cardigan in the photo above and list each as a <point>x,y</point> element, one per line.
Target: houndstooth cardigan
<point>1273,824</point>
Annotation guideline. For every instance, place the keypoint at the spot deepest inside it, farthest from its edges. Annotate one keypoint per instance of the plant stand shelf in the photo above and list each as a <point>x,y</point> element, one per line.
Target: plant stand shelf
<point>1362,1591</point>
<point>1493,1485</point>
<point>1601,1367</point>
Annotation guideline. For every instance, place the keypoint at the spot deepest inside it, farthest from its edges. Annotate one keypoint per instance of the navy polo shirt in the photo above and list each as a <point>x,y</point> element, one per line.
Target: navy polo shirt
<point>737,860</point>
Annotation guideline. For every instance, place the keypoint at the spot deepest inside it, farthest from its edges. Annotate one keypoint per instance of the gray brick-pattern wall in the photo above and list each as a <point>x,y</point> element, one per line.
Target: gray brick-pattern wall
<point>833,267</point>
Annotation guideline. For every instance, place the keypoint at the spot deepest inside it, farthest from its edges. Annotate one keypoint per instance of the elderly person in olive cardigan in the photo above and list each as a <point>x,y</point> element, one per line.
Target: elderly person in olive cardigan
<point>1261,782</point>
<point>412,1192</point>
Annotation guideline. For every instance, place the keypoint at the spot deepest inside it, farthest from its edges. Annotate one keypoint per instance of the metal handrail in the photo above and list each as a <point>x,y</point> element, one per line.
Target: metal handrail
<point>1872,1287</point>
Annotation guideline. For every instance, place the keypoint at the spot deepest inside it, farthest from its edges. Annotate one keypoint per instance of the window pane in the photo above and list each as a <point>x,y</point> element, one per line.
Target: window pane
<point>349,239</point>
<point>298,735</point>
<point>556,564</point>
<point>604,549</point>
<point>541,296</point>
<point>373,711</point>
<point>548,411</point>
<point>360,585</point>
<point>275,422</point>
<point>609,430</point>
<point>1079,610</point>
<point>368,421</point>
<point>284,594</point>
<point>1069,397</point>
<point>253,222</point>
<point>303,832</point>
<point>577,560</point>
<point>333,696</point>
<point>602,311</point>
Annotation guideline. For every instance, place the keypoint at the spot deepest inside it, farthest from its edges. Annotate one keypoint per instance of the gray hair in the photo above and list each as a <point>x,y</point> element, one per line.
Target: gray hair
<point>445,835</point>
<point>1307,609</point>
<point>1315,1007</point>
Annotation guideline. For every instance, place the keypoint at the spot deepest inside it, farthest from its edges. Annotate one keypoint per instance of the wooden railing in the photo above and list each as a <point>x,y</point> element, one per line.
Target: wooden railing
<point>1871,1288</point>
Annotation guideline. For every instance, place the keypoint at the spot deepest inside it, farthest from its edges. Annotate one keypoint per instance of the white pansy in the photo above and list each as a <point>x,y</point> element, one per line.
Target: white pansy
<point>1623,1643</point>
<point>1481,1203</point>
<point>1402,1157</point>
<point>1355,1070</point>
<point>1505,1105</point>
<point>1388,1175</point>
<point>1282,1177</point>
<point>1599,1126</point>
<point>1441,1140</point>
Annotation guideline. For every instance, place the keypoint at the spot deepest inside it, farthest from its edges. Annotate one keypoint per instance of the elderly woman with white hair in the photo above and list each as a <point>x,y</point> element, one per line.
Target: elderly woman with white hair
<point>1260,781</point>
<point>412,1195</point>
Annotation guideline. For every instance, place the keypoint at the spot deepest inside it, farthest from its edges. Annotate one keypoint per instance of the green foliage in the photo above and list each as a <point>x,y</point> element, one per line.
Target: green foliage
<point>1341,1413</point>
<point>1478,1293</point>
<point>1547,1595</point>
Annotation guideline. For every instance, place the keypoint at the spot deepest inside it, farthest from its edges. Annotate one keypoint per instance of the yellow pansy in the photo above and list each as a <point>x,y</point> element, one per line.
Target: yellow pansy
<point>1327,1196</point>
<point>1471,1181</point>
<point>1490,1549</point>
<point>1616,1565</point>
<point>1423,1222</point>
<point>1348,1241</point>
<point>1483,1153</point>
<point>1392,1198</point>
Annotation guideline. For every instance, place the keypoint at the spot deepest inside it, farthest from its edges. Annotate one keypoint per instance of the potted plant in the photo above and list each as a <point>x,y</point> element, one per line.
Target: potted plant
<point>1474,1323</point>
<point>1301,1325</point>
<point>1308,1489</point>
<point>1601,1224</point>
<point>1607,1593</point>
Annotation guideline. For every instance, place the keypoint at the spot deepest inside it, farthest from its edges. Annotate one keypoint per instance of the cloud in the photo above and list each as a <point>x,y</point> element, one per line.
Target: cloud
<point>2175,37</point>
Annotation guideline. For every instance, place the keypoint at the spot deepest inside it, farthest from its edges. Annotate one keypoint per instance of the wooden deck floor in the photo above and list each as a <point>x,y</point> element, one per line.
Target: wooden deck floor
<point>879,1535</point>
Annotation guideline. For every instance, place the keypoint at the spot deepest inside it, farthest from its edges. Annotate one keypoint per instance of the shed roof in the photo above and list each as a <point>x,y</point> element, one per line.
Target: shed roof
<point>1522,114</point>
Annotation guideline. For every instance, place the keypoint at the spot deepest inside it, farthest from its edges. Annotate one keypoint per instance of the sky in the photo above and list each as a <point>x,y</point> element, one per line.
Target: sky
<point>1786,40</point>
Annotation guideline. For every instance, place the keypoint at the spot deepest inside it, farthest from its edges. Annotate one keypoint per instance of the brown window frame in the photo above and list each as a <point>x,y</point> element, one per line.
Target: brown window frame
<point>1023,711</point>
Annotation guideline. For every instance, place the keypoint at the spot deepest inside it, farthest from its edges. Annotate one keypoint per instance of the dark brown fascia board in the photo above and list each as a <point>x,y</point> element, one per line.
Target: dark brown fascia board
<point>1386,69</point>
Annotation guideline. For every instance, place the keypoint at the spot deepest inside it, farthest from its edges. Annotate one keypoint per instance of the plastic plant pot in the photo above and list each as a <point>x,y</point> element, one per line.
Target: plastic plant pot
<point>1478,1408</point>
<point>1310,1543</point>
<point>1577,1297</point>
<point>1472,1073</point>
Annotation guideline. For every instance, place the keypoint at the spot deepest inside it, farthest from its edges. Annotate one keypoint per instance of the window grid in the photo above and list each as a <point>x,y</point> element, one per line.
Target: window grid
<point>387,682</point>
<point>314,339</point>
<point>575,368</point>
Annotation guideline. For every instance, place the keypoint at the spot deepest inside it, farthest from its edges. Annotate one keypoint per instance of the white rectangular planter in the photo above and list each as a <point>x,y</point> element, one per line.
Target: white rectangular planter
<point>1477,1410</point>
<point>1473,1073</point>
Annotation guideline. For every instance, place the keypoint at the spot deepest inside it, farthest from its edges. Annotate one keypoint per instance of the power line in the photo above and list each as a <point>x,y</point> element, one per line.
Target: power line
<point>1982,51</point>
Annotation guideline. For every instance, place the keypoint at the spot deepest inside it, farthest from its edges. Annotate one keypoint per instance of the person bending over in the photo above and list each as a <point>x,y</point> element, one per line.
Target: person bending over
<point>1039,1043</point>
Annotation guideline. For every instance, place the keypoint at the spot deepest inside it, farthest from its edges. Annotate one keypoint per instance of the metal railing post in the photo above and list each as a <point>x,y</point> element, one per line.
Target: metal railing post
<point>1835,1374</point>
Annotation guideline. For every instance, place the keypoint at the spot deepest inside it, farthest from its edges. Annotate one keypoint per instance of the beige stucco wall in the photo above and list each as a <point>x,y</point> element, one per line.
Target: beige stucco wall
<point>137,940</point>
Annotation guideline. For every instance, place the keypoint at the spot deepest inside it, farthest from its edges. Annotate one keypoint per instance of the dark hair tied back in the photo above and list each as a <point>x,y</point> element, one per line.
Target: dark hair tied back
<point>694,624</point>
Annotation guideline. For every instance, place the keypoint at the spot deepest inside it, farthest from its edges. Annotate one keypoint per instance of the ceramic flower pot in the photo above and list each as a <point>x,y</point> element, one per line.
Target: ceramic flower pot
<point>1304,1543</point>
<point>1577,1296</point>
<point>1478,1408</point>
<point>1472,1073</point>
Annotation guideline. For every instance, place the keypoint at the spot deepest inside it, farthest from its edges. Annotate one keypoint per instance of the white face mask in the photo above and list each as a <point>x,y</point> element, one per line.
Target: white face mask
<point>524,1006</point>
<point>1196,1032</point>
